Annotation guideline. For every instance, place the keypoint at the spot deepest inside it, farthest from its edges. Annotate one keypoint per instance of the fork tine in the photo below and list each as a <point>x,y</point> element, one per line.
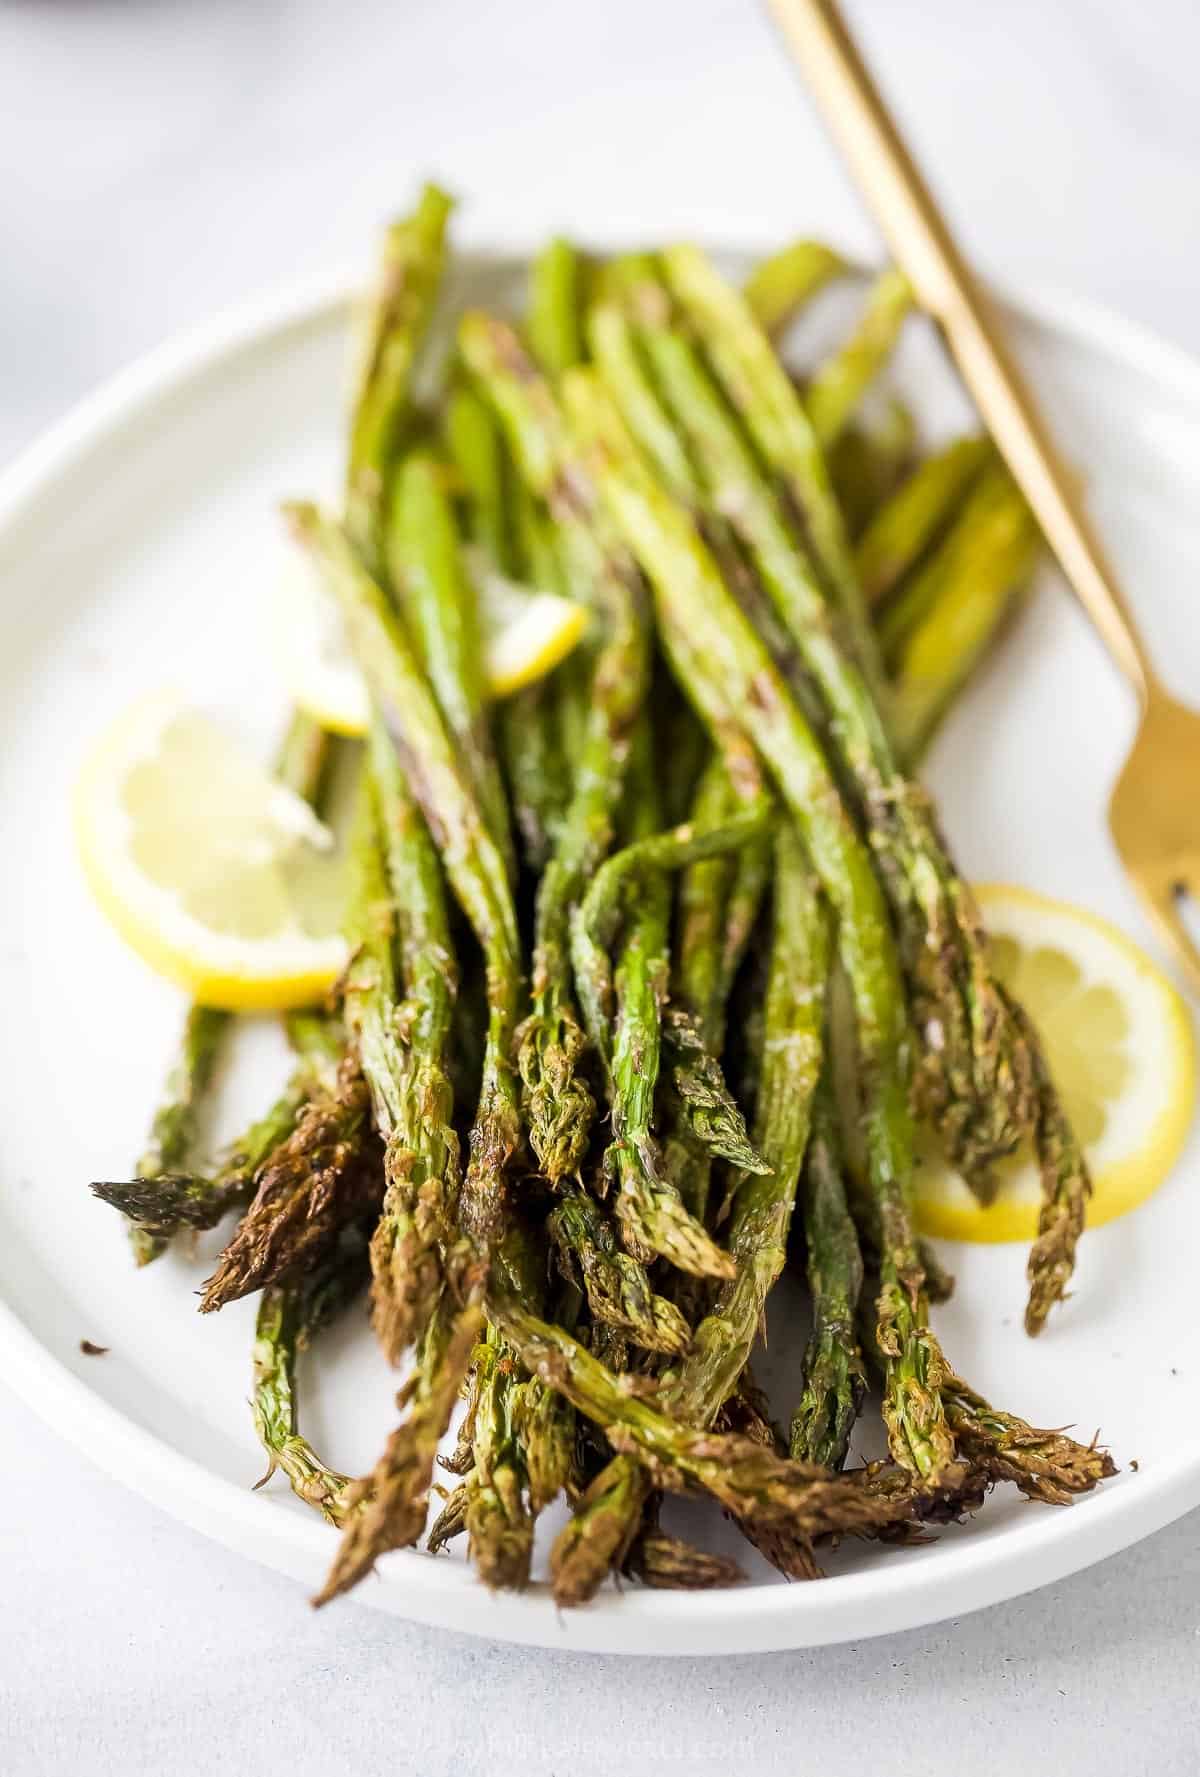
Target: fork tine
<point>1163,908</point>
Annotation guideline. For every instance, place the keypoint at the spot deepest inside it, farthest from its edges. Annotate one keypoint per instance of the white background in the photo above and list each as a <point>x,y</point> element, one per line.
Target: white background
<point>163,158</point>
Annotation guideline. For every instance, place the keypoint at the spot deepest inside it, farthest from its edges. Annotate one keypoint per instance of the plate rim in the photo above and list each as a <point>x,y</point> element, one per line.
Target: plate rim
<point>750,1619</point>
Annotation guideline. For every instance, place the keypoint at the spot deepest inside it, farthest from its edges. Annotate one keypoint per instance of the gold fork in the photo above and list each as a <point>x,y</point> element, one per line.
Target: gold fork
<point>1154,813</point>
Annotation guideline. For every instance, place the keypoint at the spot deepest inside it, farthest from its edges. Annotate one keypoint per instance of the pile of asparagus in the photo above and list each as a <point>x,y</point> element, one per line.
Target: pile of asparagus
<point>654,965</point>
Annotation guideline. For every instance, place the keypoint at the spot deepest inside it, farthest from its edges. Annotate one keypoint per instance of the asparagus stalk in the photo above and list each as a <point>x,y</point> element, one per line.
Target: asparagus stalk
<point>692,599</point>
<point>405,706</point>
<point>617,1286</point>
<point>834,1378</point>
<point>947,616</point>
<point>400,310</point>
<point>173,1131</point>
<point>601,1531</point>
<point>474,447</point>
<point>558,1105</point>
<point>546,1428</point>
<point>323,1176</point>
<point>782,284</point>
<point>622,1013</point>
<point>402,1045</point>
<point>553,325</point>
<point>290,1316</point>
<point>386,1509</point>
<point>702,912</point>
<point>502,520</point>
<point>763,1199</point>
<point>840,383</point>
<point>439,606</point>
<point>759,387</point>
<point>917,515</point>
<point>179,1202</point>
<point>497,1518</point>
<point>148,1200</point>
<point>719,900</point>
<point>1045,1465</point>
<point>998,1446</point>
<point>708,1106</point>
<point>868,461</point>
<point>1066,1188</point>
<point>669,1564</point>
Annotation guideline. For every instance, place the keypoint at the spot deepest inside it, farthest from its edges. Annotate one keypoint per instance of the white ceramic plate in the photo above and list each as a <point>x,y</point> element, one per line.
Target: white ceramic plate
<point>135,546</point>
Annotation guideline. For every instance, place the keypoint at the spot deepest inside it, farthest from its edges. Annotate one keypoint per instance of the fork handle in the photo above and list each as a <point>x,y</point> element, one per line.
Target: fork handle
<point>946,288</point>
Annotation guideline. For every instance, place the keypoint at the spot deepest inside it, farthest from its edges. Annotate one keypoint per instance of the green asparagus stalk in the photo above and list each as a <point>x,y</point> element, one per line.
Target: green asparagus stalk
<point>173,1131</point>
<point>553,325</point>
<point>150,1198</point>
<point>439,606</point>
<point>558,1105</point>
<point>649,1210</point>
<point>474,447</point>
<point>948,615</point>
<point>617,1286</point>
<point>693,599</point>
<point>323,1176</point>
<point>702,912</point>
<point>760,389</point>
<point>622,1013</point>
<point>598,1536</point>
<point>718,902</point>
<point>840,383</point>
<point>546,1429</point>
<point>834,1378</point>
<point>503,521</point>
<point>782,284</point>
<point>763,1199</point>
<point>1045,1465</point>
<point>1066,1189</point>
<point>543,724</point>
<point>386,1509</point>
<point>402,1044</point>
<point>917,515</point>
<point>710,1111</point>
<point>400,310</point>
<point>497,1517</point>
<point>669,1564</point>
<point>290,1316</point>
<point>474,865</point>
<point>868,461</point>
<point>619,881</point>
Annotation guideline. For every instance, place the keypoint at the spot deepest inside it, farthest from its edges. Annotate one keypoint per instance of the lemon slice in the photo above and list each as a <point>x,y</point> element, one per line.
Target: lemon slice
<point>219,877</point>
<point>1121,1048</point>
<point>526,634</point>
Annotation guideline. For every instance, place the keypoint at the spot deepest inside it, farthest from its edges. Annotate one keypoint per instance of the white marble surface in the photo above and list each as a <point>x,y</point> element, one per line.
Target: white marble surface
<point>166,157</point>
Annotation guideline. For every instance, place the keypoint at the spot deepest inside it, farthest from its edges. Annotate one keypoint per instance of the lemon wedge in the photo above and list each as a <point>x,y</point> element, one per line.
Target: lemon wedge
<point>1121,1048</point>
<point>526,633</point>
<point>219,877</point>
